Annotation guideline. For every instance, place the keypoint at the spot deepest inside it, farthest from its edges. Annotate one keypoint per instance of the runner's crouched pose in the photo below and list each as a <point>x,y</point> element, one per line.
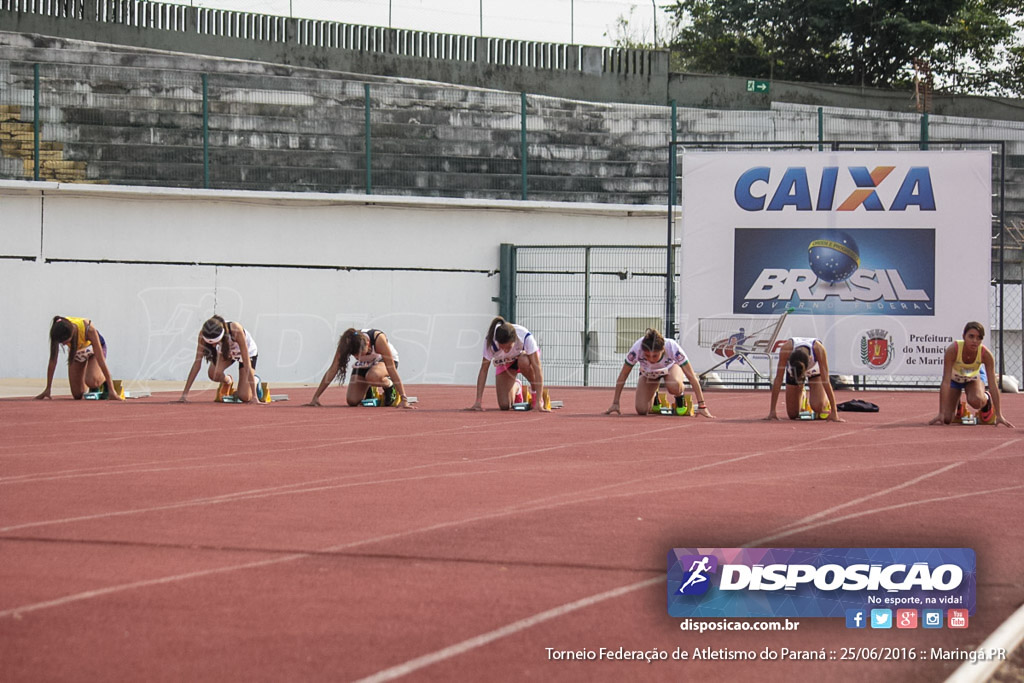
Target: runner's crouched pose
<point>513,350</point>
<point>375,364</point>
<point>659,359</point>
<point>804,359</point>
<point>87,357</point>
<point>222,343</point>
<point>968,367</point>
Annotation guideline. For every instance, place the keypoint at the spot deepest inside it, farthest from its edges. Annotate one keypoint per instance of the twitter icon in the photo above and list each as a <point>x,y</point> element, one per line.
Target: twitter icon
<point>881,618</point>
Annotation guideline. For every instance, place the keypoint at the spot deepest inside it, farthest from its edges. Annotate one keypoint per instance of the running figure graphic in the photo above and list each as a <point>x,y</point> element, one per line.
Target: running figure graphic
<point>697,570</point>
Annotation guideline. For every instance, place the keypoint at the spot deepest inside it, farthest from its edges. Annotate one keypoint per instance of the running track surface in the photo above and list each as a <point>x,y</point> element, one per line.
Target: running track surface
<point>163,542</point>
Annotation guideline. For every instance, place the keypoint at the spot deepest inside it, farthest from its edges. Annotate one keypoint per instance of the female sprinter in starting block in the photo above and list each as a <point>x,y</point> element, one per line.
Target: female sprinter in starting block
<point>512,349</point>
<point>87,369</point>
<point>659,359</point>
<point>804,359</point>
<point>375,365</point>
<point>222,343</point>
<point>967,368</point>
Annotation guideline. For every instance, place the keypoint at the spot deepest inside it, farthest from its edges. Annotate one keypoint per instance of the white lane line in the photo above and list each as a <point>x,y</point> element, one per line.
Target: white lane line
<point>511,629</point>
<point>507,630</point>
<point>313,486</point>
<point>888,508</point>
<point>482,639</point>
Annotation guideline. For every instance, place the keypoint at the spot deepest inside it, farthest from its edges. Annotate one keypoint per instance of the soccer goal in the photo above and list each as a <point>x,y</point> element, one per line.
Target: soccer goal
<point>738,340</point>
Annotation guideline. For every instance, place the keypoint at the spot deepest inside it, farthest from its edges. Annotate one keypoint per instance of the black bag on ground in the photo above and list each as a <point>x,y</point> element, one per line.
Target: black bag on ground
<point>858,406</point>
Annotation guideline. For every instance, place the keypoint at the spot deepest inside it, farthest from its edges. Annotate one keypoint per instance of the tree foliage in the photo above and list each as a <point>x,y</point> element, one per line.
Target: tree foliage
<point>971,46</point>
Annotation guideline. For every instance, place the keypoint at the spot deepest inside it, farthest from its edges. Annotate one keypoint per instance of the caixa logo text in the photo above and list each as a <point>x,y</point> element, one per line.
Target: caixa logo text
<point>794,189</point>
<point>830,577</point>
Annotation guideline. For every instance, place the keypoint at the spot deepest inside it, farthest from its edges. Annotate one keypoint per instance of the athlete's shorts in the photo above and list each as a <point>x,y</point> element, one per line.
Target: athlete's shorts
<point>506,367</point>
<point>362,370</point>
<point>960,386</point>
<point>82,355</point>
<point>252,361</point>
<point>658,375</point>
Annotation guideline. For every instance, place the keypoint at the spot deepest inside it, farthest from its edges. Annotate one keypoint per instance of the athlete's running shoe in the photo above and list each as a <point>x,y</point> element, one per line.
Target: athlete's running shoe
<point>987,415</point>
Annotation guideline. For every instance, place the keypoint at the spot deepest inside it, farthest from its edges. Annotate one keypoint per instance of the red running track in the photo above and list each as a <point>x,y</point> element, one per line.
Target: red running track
<point>162,542</point>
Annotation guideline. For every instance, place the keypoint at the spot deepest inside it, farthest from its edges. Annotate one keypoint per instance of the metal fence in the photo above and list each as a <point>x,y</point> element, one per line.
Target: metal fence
<point>588,305</point>
<point>173,127</point>
<point>159,127</point>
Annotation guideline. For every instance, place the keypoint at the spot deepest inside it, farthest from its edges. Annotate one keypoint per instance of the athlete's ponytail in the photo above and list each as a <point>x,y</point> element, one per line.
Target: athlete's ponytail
<point>63,330</point>
<point>500,331</point>
<point>350,344</point>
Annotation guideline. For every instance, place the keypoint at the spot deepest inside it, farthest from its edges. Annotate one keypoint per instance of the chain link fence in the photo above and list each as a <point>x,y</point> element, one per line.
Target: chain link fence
<point>143,125</point>
<point>239,131</point>
<point>588,305</point>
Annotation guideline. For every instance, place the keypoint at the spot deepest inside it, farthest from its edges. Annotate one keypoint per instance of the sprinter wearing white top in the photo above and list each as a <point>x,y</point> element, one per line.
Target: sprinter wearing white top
<point>659,359</point>
<point>222,343</point>
<point>375,364</point>
<point>512,349</point>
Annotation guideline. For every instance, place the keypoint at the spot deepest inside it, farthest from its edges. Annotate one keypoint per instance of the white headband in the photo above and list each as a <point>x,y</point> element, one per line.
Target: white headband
<point>213,340</point>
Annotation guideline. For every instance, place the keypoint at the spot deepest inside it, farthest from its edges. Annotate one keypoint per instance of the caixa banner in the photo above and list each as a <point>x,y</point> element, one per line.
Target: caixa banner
<point>882,255</point>
<point>817,582</point>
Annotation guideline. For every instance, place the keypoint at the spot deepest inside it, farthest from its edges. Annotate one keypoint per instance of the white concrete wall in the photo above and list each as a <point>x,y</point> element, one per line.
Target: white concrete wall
<point>149,265</point>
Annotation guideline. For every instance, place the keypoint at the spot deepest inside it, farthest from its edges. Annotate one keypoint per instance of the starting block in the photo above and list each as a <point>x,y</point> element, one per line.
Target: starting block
<point>545,398</point>
<point>662,405</point>
<point>965,416</point>
<point>221,394</point>
<point>375,397</point>
<point>660,401</point>
<point>137,394</point>
<point>262,394</point>
<point>526,399</point>
<point>101,394</point>
<point>686,410</point>
<point>549,404</point>
<point>805,409</point>
<point>270,398</point>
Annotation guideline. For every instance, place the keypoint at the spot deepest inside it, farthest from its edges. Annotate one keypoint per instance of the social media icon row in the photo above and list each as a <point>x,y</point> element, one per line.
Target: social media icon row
<point>905,618</point>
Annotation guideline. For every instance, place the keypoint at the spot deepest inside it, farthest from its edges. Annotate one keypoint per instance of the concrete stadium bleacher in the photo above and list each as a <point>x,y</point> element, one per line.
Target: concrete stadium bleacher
<point>133,119</point>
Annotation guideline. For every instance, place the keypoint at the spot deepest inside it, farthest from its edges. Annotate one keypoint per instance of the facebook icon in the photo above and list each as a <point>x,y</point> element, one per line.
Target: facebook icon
<point>856,618</point>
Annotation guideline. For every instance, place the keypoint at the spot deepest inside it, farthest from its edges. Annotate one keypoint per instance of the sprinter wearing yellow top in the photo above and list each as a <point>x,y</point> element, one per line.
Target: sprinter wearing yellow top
<point>87,357</point>
<point>968,367</point>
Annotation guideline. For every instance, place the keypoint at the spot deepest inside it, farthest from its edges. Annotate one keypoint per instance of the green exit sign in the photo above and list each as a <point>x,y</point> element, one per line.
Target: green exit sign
<point>757,86</point>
